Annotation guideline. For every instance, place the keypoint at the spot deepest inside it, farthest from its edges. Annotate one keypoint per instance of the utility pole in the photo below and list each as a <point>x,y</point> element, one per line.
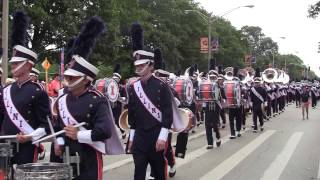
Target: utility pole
<point>5,22</point>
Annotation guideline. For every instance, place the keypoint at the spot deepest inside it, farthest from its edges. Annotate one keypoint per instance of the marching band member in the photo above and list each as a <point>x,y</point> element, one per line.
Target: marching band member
<point>234,113</point>
<point>298,96</point>
<point>24,104</point>
<point>182,138</point>
<point>270,98</point>
<point>258,101</point>
<point>82,103</point>
<point>314,94</point>
<point>117,106</point>
<point>159,67</point>
<point>150,113</point>
<point>222,112</point>
<point>212,110</point>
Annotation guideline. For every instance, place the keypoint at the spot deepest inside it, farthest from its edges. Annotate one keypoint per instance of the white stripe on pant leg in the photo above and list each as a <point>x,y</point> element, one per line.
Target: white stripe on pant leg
<point>226,166</point>
<point>277,166</point>
<point>318,177</point>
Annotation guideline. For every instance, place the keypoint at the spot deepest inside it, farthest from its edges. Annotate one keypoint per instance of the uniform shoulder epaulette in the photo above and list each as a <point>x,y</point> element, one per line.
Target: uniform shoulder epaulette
<point>40,86</point>
<point>96,93</point>
<point>161,80</point>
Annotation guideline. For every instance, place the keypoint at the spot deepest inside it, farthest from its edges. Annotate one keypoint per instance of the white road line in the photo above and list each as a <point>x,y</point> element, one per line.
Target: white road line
<point>318,177</point>
<point>226,166</point>
<point>277,166</point>
<point>130,159</point>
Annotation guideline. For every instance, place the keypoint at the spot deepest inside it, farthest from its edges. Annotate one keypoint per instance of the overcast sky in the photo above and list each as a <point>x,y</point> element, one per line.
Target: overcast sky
<point>277,18</point>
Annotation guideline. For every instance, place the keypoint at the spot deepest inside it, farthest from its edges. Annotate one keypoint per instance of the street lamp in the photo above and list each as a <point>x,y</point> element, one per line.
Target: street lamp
<point>209,19</point>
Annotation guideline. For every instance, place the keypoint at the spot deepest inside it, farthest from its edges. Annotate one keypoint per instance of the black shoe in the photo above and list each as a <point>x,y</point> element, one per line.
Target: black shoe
<point>255,131</point>
<point>218,142</point>
<point>193,131</point>
<point>261,128</point>
<point>232,137</point>
<point>223,126</point>
<point>210,147</point>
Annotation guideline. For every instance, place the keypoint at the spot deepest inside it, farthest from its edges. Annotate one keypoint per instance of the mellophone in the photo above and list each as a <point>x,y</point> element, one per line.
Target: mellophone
<point>36,171</point>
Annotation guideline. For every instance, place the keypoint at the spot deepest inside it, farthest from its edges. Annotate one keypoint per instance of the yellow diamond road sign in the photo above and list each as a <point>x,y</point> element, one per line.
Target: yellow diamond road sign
<point>46,64</point>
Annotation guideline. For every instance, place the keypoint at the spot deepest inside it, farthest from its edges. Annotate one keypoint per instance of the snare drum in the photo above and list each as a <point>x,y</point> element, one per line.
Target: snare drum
<point>43,171</point>
<point>108,87</point>
<point>184,89</point>
<point>233,93</point>
<point>208,91</point>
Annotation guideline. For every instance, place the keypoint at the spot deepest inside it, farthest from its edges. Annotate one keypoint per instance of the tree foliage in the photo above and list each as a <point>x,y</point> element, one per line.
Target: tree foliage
<point>166,26</point>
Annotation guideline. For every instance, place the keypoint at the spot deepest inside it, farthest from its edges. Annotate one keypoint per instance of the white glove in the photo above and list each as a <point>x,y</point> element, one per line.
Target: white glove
<point>265,103</point>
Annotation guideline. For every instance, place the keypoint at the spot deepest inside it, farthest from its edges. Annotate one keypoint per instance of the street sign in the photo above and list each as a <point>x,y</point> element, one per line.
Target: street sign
<point>46,64</point>
<point>204,45</point>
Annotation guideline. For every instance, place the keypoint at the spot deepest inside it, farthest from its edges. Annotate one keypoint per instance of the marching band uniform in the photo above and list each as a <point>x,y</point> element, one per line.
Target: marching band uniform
<point>258,99</point>
<point>182,138</point>
<point>24,105</point>
<point>235,113</point>
<point>117,106</point>
<point>150,115</point>
<point>99,135</point>
<point>314,97</point>
<point>298,96</point>
<point>270,98</point>
<point>160,72</point>
<point>223,96</point>
<point>212,111</point>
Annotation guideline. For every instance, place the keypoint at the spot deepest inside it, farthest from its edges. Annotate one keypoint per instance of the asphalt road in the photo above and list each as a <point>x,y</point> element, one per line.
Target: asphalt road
<point>288,149</point>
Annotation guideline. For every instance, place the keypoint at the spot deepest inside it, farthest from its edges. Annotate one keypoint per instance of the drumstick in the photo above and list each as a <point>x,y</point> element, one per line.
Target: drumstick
<point>51,128</point>
<point>12,136</point>
<point>57,133</point>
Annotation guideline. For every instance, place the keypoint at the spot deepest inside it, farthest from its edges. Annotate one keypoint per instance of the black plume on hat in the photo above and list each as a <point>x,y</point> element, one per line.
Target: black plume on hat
<point>195,66</point>
<point>257,72</point>
<point>117,68</point>
<point>235,71</point>
<point>212,64</point>
<point>20,25</point>
<point>163,66</point>
<point>220,70</point>
<point>86,39</point>
<point>191,70</point>
<point>69,49</point>
<point>178,73</point>
<point>137,36</point>
<point>158,59</point>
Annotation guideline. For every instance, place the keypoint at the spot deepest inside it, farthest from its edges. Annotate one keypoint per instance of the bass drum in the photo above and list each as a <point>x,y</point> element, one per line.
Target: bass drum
<point>188,117</point>
<point>108,87</point>
<point>233,93</point>
<point>208,91</point>
<point>184,89</point>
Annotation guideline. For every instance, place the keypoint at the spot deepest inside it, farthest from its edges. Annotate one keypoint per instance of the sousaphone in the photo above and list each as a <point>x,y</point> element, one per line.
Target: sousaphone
<point>186,115</point>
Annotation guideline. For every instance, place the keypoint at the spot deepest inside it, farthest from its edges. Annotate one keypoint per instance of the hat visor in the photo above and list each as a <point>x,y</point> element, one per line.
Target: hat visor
<point>73,73</point>
<point>17,59</point>
<point>141,61</point>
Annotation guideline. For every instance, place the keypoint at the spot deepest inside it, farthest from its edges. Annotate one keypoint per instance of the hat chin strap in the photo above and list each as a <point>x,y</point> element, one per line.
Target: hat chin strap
<point>140,73</point>
<point>19,67</point>
<point>75,84</point>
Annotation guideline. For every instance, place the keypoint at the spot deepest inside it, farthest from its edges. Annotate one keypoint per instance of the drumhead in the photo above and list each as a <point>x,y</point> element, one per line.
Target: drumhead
<point>112,90</point>
<point>43,171</point>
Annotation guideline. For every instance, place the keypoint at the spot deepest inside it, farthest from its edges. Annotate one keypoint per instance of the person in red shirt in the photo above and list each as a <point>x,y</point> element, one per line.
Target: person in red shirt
<point>54,86</point>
